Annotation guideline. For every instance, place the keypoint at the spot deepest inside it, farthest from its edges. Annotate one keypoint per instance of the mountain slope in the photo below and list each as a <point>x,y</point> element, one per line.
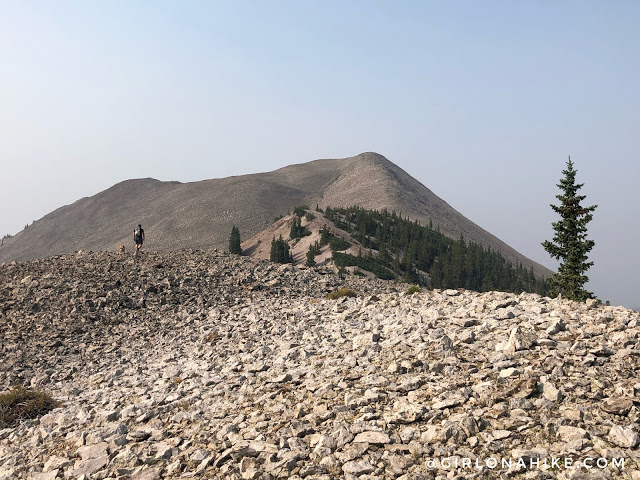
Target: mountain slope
<point>201,214</point>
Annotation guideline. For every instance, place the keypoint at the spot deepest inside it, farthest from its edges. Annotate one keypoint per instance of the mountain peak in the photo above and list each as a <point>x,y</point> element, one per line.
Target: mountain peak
<point>200,214</point>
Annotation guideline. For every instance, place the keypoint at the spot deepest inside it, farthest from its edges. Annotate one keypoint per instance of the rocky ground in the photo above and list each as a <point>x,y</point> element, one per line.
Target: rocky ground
<point>205,365</point>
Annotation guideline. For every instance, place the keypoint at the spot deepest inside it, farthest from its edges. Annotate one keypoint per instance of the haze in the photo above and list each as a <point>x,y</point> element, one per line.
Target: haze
<point>480,101</point>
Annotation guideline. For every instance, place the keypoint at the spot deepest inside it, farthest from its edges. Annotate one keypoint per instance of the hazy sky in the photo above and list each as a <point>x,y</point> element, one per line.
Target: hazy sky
<point>480,101</point>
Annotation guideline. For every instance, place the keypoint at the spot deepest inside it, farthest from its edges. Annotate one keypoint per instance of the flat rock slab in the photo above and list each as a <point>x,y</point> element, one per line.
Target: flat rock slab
<point>89,467</point>
<point>374,438</point>
<point>623,437</point>
<point>359,467</point>
<point>51,475</point>
<point>93,451</point>
<point>154,473</point>
<point>617,406</point>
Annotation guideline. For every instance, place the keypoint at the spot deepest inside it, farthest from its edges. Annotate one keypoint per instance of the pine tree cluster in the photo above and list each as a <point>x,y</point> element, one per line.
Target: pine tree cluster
<point>422,255</point>
<point>300,210</point>
<point>297,230</point>
<point>335,242</point>
<point>280,251</point>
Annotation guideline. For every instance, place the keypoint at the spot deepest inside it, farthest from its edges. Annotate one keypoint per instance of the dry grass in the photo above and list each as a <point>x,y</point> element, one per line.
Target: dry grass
<point>212,337</point>
<point>21,403</point>
<point>343,292</point>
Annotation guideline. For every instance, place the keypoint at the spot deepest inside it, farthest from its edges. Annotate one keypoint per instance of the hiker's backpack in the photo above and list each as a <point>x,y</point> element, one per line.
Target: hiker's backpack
<point>138,233</point>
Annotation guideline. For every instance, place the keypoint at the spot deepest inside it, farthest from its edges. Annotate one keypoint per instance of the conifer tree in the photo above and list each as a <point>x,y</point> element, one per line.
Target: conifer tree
<point>234,241</point>
<point>280,251</point>
<point>311,254</point>
<point>297,230</point>
<point>570,244</point>
<point>325,236</point>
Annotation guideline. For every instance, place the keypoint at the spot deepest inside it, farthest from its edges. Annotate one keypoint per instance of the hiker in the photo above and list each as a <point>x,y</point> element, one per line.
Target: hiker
<point>138,237</point>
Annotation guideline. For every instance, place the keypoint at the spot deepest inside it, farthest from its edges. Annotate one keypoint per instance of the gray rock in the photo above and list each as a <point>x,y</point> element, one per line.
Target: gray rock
<point>93,451</point>
<point>353,451</point>
<point>570,434</point>
<point>50,475</point>
<point>56,463</point>
<point>126,459</point>
<point>519,339</point>
<point>448,402</point>
<point>199,455</point>
<point>357,467</point>
<point>111,415</point>
<point>617,406</point>
<point>551,393</point>
<point>467,337</point>
<point>88,467</point>
<point>404,412</point>
<point>249,468</point>
<point>153,473</point>
<point>374,438</point>
<point>623,437</point>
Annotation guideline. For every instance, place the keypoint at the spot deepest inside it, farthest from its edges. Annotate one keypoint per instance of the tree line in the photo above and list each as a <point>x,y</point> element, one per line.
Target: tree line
<point>397,247</point>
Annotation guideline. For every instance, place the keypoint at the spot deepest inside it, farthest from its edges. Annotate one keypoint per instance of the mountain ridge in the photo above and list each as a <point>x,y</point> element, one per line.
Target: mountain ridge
<point>200,214</point>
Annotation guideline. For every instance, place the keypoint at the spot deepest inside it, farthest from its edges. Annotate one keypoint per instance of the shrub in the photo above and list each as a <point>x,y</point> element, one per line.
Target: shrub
<point>212,337</point>
<point>413,289</point>
<point>309,216</point>
<point>342,292</point>
<point>21,403</point>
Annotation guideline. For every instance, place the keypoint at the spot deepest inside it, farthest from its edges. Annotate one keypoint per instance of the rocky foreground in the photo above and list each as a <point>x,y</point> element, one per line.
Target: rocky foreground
<point>200,364</point>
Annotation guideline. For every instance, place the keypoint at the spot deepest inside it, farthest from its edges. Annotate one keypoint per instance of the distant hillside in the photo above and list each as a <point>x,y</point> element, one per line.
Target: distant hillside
<point>201,214</point>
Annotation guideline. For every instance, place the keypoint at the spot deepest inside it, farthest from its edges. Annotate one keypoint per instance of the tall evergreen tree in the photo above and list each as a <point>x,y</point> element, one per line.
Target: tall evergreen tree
<point>325,236</point>
<point>570,244</point>
<point>311,256</point>
<point>280,251</point>
<point>234,241</point>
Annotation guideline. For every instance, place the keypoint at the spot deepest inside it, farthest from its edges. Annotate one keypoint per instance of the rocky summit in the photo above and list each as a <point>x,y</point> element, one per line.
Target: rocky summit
<point>200,364</point>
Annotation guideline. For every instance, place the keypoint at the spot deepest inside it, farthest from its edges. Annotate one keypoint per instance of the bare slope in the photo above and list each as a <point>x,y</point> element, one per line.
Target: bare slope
<point>200,214</point>
<point>259,246</point>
